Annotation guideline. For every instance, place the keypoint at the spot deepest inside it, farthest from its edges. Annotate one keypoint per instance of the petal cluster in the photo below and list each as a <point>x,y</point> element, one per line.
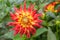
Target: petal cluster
<point>25,20</point>
<point>50,7</point>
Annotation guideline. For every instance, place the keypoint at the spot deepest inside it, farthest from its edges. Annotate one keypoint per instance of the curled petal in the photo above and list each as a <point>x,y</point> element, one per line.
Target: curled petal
<point>33,31</point>
<point>12,23</point>
<point>39,21</point>
<point>21,31</point>
<point>28,34</point>
<point>37,25</point>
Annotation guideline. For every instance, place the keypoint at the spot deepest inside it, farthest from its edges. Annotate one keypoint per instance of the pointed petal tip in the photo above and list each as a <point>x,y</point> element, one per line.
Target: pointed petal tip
<point>11,13</point>
<point>24,5</point>
<point>28,35</point>
<point>16,9</point>
<point>20,8</point>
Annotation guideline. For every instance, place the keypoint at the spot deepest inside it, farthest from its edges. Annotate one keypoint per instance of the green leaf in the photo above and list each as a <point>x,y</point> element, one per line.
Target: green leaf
<point>50,1</point>
<point>51,14</point>
<point>9,35</point>
<point>42,1</point>
<point>17,37</point>
<point>57,6</point>
<point>50,35</point>
<point>40,31</point>
<point>15,1</point>
<point>31,0</point>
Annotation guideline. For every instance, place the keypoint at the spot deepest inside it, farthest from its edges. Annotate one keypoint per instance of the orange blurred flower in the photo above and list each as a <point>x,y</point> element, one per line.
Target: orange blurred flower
<point>50,7</point>
<point>25,20</point>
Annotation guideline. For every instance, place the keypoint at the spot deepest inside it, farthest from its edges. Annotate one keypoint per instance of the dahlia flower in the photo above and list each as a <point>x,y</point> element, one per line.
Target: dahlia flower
<point>51,7</point>
<point>25,20</point>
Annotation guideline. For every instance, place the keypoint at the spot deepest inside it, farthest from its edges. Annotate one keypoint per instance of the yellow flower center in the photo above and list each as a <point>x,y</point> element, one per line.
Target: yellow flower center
<point>25,19</point>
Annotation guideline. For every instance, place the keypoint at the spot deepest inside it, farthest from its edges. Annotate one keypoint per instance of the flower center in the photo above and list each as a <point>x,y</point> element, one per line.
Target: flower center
<point>25,20</point>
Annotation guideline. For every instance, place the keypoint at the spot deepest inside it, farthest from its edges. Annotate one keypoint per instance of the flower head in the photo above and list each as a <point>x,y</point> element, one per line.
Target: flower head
<point>50,7</point>
<point>25,20</point>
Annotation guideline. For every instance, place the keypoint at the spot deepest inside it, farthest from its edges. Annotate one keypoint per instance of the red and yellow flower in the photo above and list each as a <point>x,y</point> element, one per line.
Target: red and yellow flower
<point>25,21</point>
<point>50,7</point>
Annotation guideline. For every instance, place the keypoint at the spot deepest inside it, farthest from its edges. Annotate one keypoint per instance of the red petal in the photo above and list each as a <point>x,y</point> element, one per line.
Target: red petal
<point>31,7</point>
<point>25,5</point>
<point>39,21</point>
<point>11,23</point>
<point>20,8</point>
<point>17,29</point>
<point>33,13</point>
<point>37,25</point>
<point>22,31</point>
<point>35,16</point>
<point>40,14</point>
<point>16,32</point>
<point>28,34</point>
<point>32,30</point>
<point>16,9</point>
<point>13,16</point>
<point>25,31</point>
<point>53,3</point>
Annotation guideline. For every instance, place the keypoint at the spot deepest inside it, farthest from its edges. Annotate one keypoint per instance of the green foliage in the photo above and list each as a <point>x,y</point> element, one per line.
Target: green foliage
<point>50,35</point>
<point>40,31</point>
<point>18,37</point>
